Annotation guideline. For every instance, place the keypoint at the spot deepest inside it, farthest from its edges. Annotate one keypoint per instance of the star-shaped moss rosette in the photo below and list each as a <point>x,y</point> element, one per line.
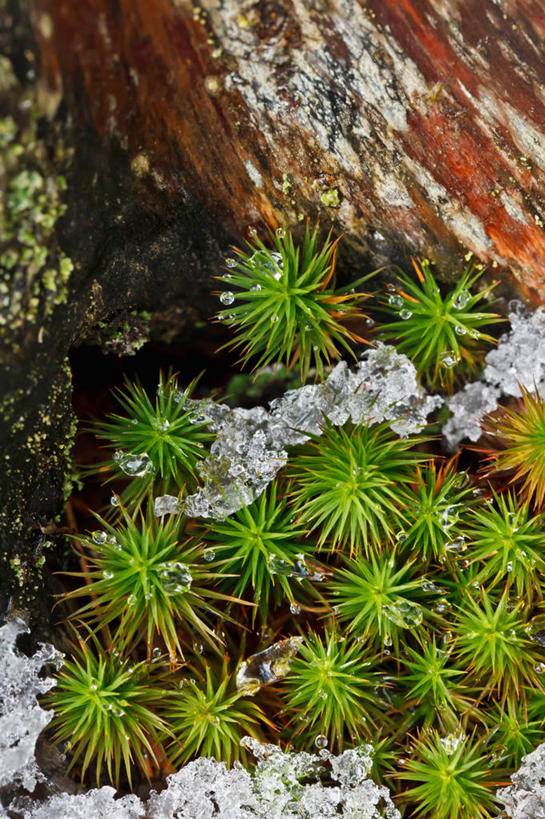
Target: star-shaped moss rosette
<point>264,556</point>
<point>208,716</point>
<point>331,688</point>
<point>442,335</point>
<point>283,305</point>
<point>506,545</point>
<point>516,446</point>
<point>157,443</point>
<point>452,778</point>
<point>104,710</point>
<point>349,484</point>
<point>146,578</point>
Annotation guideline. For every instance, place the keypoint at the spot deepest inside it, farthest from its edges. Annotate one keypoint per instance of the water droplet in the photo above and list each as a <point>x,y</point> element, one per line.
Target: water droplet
<point>451,742</point>
<point>460,330</point>
<point>280,233</point>
<point>540,668</point>
<point>295,608</point>
<point>118,712</point>
<point>297,569</point>
<point>405,314</point>
<point>404,613</point>
<point>321,741</point>
<point>99,537</point>
<point>462,299</point>
<point>231,262</point>
<point>428,586</point>
<point>93,686</point>
<point>509,566</point>
<point>442,605</point>
<point>156,653</point>
<point>457,545</point>
<point>160,424</point>
<point>209,555</point>
<point>107,574</point>
<point>395,300</point>
<point>114,500</point>
<point>448,358</point>
<point>388,640</point>
<point>256,287</point>
<point>252,231</point>
<point>227,297</point>
<point>401,537</point>
<point>177,578</point>
<point>131,600</point>
<point>136,465</point>
<point>118,455</point>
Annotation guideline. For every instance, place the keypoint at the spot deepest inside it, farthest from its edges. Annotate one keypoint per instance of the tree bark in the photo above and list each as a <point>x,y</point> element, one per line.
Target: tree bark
<point>417,126</point>
<point>413,126</point>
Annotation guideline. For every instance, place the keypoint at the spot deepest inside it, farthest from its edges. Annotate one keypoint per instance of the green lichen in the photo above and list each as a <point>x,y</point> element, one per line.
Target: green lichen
<point>34,272</point>
<point>330,198</point>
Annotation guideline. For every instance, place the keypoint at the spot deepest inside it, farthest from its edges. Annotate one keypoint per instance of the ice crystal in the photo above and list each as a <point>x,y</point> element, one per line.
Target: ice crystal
<point>251,444</point>
<point>167,505</point>
<point>282,786</point>
<point>525,798</point>
<point>520,354</point>
<point>518,359</point>
<point>21,718</point>
<point>468,408</point>
<point>267,666</point>
<point>98,803</point>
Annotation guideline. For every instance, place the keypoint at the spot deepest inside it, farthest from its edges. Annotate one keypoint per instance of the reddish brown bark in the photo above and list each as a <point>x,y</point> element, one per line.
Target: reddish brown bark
<point>427,117</point>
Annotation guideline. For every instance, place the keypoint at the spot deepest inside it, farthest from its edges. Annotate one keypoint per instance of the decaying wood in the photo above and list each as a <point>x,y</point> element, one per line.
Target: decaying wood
<point>414,124</point>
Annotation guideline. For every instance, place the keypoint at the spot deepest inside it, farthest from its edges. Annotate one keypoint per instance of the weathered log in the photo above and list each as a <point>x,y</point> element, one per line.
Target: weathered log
<point>413,126</point>
<point>418,125</point>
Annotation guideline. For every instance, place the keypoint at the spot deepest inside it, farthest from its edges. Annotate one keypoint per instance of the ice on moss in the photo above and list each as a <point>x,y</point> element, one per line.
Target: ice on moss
<point>468,408</point>
<point>251,444</point>
<point>282,786</point>
<point>518,358</point>
<point>520,354</point>
<point>525,798</point>
<point>21,717</point>
<point>98,803</point>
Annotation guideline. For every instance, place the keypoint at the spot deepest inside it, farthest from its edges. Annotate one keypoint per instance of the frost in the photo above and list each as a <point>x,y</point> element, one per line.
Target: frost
<point>98,803</point>
<point>519,358</point>
<point>250,447</point>
<point>468,408</point>
<point>21,718</point>
<point>520,354</point>
<point>282,786</point>
<point>525,799</point>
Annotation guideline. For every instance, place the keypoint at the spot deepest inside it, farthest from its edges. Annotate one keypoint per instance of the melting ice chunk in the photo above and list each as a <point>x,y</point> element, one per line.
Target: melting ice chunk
<point>267,666</point>
<point>167,505</point>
